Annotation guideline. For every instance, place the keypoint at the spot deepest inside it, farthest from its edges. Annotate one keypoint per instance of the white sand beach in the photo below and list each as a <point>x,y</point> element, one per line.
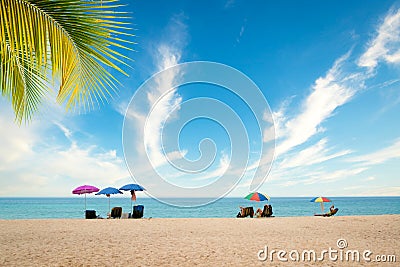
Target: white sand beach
<point>203,242</point>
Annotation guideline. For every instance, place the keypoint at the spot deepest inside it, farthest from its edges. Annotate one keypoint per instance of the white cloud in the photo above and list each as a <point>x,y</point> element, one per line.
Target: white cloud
<point>328,93</point>
<point>241,32</point>
<point>64,129</point>
<point>309,176</point>
<point>385,45</point>
<point>36,161</point>
<point>312,155</point>
<point>174,155</point>
<point>15,141</point>
<point>229,4</point>
<point>295,156</point>
<point>163,99</point>
<point>334,90</point>
<point>370,178</point>
<point>334,176</point>
<point>280,118</point>
<point>380,156</point>
<point>220,170</point>
<point>394,58</point>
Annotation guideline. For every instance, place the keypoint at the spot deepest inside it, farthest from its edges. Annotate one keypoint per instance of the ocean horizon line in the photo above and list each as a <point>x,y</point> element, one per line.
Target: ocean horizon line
<point>233,197</point>
<point>74,206</point>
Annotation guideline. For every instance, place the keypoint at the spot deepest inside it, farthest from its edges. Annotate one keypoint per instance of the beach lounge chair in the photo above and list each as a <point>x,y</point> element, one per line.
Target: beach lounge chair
<point>328,214</point>
<point>90,214</point>
<point>267,212</point>
<point>137,211</point>
<point>116,212</point>
<point>244,212</point>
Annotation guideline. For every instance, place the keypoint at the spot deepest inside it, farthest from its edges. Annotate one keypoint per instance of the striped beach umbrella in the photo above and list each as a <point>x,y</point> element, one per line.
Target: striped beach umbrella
<point>320,200</point>
<point>256,196</point>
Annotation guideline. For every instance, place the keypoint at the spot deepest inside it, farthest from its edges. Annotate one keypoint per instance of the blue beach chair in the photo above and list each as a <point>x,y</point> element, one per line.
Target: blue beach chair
<point>137,211</point>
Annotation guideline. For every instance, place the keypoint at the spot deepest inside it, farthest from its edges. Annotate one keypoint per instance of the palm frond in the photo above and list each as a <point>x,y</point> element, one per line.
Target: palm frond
<point>66,42</point>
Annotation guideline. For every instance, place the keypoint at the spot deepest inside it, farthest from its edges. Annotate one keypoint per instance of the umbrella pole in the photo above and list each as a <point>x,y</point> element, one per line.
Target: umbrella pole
<point>109,204</point>
<point>322,207</point>
<point>85,201</point>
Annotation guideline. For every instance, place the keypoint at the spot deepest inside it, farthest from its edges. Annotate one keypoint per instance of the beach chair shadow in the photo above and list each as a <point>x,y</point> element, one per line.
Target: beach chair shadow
<point>116,212</point>
<point>137,211</point>
<point>248,211</point>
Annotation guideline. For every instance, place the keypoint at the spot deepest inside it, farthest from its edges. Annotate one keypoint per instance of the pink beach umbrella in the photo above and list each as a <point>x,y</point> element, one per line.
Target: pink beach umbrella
<point>85,189</point>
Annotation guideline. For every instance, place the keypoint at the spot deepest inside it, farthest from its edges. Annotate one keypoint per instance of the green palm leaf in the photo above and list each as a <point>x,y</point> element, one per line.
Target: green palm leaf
<point>60,43</point>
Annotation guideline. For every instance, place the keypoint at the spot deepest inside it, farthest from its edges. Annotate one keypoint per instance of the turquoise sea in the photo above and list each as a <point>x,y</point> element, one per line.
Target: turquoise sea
<point>73,207</point>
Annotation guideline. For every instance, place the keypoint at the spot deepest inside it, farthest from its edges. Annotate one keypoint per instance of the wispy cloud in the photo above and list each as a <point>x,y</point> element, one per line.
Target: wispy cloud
<point>67,132</point>
<point>335,89</point>
<point>334,176</point>
<point>241,32</point>
<point>219,171</point>
<point>385,46</point>
<point>380,156</point>
<point>328,93</point>
<point>163,98</point>
<point>370,178</point>
<point>288,177</point>
<point>312,155</point>
<point>229,4</point>
<point>296,155</point>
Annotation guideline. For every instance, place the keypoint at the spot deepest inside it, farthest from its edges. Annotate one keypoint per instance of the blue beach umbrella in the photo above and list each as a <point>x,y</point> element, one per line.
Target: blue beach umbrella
<point>132,188</point>
<point>108,192</point>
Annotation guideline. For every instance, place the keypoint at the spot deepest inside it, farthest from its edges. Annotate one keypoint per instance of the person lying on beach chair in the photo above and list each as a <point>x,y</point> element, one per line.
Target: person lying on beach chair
<point>244,212</point>
<point>332,211</point>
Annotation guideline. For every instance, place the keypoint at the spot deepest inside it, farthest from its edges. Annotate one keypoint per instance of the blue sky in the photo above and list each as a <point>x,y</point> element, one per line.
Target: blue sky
<point>330,71</point>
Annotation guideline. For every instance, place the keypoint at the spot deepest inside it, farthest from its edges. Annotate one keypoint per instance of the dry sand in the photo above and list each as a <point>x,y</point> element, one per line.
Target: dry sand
<point>187,242</point>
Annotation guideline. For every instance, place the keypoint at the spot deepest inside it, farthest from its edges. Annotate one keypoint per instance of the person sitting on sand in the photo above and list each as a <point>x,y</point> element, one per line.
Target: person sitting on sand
<point>258,213</point>
<point>332,209</point>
